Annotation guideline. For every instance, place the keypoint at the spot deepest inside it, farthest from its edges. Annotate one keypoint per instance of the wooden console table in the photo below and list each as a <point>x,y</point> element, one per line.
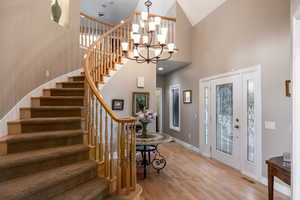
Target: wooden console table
<point>280,169</point>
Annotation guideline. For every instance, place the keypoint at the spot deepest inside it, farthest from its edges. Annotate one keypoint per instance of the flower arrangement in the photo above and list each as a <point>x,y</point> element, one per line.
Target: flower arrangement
<point>145,118</point>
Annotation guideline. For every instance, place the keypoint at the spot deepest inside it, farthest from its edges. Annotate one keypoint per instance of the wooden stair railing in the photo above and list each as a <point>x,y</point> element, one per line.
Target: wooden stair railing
<point>111,138</point>
<point>91,29</point>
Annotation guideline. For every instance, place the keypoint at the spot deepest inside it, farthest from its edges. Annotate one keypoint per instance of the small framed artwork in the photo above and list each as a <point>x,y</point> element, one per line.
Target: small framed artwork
<point>288,92</point>
<point>117,104</point>
<point>140,102</point>
<point>140,82</point>
<point>187,96</point>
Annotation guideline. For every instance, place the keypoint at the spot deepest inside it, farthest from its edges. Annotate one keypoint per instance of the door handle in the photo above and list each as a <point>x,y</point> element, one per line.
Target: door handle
<point>236,126</point>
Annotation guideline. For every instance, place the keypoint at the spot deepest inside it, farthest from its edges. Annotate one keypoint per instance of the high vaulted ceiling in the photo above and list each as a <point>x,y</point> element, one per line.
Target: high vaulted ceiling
<point>196,10</point>
<point>116,10</point>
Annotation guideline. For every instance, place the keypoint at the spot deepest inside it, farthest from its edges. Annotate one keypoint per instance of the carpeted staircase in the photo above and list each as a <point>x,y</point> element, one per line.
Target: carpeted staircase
<point>43,157</point>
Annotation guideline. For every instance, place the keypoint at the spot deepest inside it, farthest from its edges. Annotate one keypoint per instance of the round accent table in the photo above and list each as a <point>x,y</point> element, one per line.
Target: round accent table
<point>148,145</point>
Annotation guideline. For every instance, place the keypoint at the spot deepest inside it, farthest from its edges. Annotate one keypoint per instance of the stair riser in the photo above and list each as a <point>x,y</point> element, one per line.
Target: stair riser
<point>54,92</point>
<point>70,85</point>
<point>36,113</point>
<point>19,128</point>
<point>59,188</point>
<point>56,102</point>
<point>40,144</point>
<point>31,168</point>
<point>77,78</point>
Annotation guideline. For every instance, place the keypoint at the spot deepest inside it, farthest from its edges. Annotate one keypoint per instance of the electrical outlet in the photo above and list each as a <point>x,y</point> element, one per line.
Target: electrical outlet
<point>47,73</point>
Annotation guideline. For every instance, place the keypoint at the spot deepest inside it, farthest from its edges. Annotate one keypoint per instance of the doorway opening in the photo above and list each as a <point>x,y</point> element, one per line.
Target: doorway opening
<point>230,119</point>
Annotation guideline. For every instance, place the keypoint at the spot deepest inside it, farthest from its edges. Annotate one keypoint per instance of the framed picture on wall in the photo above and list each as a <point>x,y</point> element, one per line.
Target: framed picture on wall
<point>187,96</point>
<point>140,102</point>
<point>117,104</point>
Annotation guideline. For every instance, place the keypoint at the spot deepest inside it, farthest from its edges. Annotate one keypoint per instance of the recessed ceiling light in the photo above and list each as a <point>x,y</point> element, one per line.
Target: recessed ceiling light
<point>160,69</point>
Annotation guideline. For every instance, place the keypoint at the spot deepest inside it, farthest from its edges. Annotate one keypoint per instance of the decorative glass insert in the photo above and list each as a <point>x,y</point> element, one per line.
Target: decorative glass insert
<point>224,105</point>
<point>175,107</point>
<point>206,118</point>
<point>250,121</point>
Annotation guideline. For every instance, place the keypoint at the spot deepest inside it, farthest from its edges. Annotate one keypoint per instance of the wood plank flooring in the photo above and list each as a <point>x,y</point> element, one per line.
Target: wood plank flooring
<point>189,176</point>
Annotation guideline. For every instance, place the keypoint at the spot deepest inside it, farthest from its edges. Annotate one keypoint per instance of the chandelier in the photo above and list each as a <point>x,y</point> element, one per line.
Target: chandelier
<point>149,40</point>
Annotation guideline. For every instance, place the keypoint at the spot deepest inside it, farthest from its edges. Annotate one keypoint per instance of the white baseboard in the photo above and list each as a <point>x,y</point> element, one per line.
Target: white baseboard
<point>279,187</point>
<point>14,113</point>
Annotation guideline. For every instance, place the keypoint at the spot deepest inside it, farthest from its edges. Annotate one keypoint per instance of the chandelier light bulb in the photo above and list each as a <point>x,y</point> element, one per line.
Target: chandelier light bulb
<point>171,47</point>
<point>135,28</point>
<point>145,39</point>
<point>144,16</point>
<point>157,20</point>
<point>135,53</point>
<point>136,38</point>
<point>161,38</point>
<point>125,46</point>
<point>152,26</point>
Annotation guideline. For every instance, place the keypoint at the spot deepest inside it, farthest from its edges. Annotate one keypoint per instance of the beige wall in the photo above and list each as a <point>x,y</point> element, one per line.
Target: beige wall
<point>241,34</point>
<point>32,43</point>
<point>124,83</point>
<point>183,37</point>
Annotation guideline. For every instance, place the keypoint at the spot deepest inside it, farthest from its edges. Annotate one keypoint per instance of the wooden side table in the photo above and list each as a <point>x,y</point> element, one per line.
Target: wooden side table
<point>280,169</point>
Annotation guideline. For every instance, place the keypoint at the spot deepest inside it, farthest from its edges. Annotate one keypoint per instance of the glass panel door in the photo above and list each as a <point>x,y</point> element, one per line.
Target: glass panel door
<point>224,118</point>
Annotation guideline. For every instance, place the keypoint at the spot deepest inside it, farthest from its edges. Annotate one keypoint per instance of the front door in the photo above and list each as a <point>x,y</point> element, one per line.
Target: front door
<point>226,120</point>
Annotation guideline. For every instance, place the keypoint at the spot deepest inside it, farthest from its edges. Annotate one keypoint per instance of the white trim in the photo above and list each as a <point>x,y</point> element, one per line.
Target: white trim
<point>257,70</point>
<point>176,86</point>
<point>14,113</point>
<point>232,73</point>
<point>160,109</point>
<point>279,187</point>
<point>296,102</point>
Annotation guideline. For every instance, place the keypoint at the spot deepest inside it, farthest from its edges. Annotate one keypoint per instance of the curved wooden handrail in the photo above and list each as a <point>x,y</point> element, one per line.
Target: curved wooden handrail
<point>92,84</point>
<point>112,139</point>
<point>95,20</point>
<point>154,15</point>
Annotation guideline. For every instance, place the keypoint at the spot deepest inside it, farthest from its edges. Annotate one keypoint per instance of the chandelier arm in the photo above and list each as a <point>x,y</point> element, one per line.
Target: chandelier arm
<point>130,58</point>
<point>140,61</point>
<point>141,54</point>
<point>165,59</point>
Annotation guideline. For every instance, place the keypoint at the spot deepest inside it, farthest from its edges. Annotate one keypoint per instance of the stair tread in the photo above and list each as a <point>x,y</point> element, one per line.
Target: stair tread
<point>38,120</point>
<point>71,82</point>
<point>20,159</point>
<point>58,97</point>
<point>40,135</point>
<point>87,191</point>
<point>77,76</point>
<point>21,188</point>
<point>64,89</point>
<point>54,108</point>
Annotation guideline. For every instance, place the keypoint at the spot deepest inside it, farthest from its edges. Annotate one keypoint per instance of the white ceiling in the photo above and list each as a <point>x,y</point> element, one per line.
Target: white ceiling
<point>159,7</point>
<point>170,66</point>
<point>196,10</point>
<point>114,10</point>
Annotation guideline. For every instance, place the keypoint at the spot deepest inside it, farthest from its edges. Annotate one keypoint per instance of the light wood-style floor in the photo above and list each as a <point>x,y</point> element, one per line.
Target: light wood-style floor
<point>189,176</point>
